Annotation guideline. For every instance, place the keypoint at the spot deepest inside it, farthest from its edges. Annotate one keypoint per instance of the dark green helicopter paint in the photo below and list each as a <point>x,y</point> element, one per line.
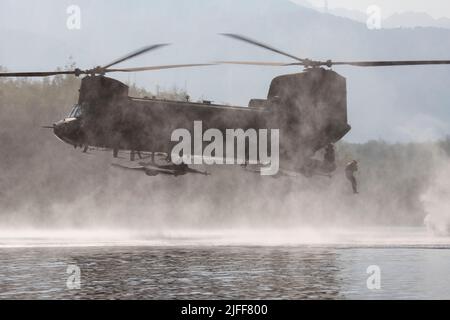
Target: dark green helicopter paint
<point>309,109</point>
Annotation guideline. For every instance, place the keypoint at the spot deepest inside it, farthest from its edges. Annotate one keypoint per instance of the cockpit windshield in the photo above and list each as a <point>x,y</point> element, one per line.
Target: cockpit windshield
<point>76,111</point>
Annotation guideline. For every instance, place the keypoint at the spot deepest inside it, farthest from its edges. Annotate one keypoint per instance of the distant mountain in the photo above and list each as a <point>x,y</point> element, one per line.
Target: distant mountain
<point>407,19</point>
<point>355,15</point>
<point>396,104</point>
<point>415,19</point>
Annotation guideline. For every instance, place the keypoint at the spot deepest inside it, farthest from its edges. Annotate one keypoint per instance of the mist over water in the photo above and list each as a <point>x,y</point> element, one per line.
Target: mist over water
<point>369,238</point>
<point>437,203</point>
<point>231,207</point>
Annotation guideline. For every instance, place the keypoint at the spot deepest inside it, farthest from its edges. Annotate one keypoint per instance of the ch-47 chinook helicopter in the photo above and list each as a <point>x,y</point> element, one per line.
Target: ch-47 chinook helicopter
<point>309,109</point>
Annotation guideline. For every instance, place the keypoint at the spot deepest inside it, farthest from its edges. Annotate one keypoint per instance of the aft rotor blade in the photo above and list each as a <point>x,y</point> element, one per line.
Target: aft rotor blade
<point>154,68</point>
<point>254,63</point>
<point>135,54</point>
<point>391,63</point>
<point>262,45</point>
<point>35,74</point>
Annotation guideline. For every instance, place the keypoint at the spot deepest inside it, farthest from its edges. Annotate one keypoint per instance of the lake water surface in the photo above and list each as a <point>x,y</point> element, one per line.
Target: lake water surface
<point>224,265</point>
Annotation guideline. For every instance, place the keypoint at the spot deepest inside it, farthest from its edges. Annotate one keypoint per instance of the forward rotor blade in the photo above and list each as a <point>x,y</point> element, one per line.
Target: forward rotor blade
<point>154,68</point>
<point>253,63</point>
<point>391,63</point>
<point>262,45</point>
<point>135,54</point>
<point>35,74</point>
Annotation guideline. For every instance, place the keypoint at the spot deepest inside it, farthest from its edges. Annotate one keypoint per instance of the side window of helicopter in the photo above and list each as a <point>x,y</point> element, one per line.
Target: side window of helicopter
<point>76,111</point>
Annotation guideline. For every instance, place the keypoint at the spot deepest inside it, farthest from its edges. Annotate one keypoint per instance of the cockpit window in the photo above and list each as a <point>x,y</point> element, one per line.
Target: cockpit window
<point>76,111</point>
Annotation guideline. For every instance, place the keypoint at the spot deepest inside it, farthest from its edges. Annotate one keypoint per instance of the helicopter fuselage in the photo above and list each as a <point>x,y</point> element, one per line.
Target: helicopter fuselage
<point>309,109</point>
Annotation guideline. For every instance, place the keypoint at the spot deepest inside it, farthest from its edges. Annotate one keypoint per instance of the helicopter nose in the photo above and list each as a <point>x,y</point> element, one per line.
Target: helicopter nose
<point>59,129</point>
<point>68,130</point>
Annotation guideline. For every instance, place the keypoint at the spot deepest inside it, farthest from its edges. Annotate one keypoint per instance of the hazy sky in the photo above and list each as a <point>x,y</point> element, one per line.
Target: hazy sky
<point>436,8</point>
